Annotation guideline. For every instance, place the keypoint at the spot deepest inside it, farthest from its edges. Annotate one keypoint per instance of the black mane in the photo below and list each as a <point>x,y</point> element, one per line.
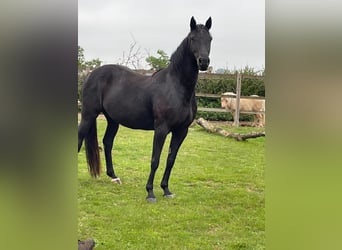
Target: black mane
<point>178,56</point>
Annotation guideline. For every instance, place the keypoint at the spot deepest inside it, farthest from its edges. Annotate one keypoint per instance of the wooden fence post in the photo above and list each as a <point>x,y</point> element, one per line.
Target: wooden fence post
<point>238,94</point>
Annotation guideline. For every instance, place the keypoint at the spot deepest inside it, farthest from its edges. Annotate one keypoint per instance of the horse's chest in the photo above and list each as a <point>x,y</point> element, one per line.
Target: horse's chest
<point>185,112</point>
<point>180,115</point>
<point>173,108</point>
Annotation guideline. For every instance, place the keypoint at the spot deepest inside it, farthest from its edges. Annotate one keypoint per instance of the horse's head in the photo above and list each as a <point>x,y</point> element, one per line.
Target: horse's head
<point>200,40</point>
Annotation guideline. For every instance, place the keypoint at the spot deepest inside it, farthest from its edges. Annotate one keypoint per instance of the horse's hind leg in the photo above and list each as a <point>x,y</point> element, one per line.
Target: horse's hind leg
<point>108,139</point>
<point>177,139</point>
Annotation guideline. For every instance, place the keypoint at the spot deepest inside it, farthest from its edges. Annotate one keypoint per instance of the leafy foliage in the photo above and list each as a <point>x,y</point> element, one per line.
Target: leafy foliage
<point>247,70</point>
<point>160,62</point>
<point>83,64</point>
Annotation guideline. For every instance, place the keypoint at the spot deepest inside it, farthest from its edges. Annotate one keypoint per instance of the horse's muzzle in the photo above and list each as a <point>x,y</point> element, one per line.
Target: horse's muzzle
<point>203,63</point>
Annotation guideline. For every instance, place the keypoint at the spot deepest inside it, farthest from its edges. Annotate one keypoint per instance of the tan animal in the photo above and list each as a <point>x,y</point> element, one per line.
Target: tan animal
<point>228,101</point>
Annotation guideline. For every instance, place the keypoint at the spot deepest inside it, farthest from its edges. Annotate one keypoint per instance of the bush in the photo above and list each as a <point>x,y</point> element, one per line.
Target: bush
<point>215,86</point>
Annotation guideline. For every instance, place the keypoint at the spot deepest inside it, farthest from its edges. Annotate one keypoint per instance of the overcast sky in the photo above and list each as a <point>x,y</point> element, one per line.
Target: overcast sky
<point>107,28</point>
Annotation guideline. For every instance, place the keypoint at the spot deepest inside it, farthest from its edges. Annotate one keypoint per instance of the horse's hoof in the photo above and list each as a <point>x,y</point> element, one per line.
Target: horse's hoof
<point>169,196</point>
<point>116,180</point>
<point>151,200</point>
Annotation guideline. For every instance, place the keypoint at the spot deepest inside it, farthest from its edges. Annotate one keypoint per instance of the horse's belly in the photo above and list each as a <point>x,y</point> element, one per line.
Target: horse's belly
<point>138,124</point>
<point>132,119</point>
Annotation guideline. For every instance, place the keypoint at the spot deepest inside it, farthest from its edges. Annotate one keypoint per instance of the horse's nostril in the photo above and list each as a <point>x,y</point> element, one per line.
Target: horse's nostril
<point>203,60</point>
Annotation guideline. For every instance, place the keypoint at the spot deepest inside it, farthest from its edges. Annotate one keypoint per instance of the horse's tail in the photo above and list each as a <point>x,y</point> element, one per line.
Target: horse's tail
<point>92,150</point>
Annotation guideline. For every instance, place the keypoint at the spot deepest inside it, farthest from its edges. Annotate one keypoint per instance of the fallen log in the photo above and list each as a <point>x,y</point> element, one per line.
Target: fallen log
<point>239,137</point>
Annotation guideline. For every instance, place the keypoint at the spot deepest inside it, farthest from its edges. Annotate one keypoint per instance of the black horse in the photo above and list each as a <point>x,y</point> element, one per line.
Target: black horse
<point>164,102</point>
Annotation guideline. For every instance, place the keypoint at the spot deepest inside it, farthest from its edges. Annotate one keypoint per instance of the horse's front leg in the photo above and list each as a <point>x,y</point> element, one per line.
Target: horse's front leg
<point>158,142</point>
<point>177,139</point>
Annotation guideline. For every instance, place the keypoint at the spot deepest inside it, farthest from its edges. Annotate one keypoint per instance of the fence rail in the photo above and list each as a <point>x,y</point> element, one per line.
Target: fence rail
<point>221,110</point>
<point>219,96</point>
<point>226,76</point>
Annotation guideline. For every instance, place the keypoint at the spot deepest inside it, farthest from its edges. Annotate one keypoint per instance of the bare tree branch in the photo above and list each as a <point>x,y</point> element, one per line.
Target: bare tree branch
<point>134,56</point>
<point>239,137</point>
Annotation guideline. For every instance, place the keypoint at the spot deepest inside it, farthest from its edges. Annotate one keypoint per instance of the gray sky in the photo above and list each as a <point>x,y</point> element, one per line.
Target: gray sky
<point>107,28</point>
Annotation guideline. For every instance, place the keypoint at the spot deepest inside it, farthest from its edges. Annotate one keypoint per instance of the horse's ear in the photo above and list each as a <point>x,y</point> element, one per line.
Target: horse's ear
<point>193,24</point>
<point>208,23</point>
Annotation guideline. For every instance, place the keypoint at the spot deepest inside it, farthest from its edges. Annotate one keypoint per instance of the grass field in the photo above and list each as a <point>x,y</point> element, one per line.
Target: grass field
<point>219,195</point>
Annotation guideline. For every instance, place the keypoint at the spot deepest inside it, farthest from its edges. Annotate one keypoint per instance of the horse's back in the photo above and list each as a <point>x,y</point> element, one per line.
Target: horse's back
<point>108,84</point>
<point>107,73</point>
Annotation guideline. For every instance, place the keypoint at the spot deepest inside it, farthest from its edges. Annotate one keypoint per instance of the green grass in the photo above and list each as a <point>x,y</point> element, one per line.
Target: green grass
<point>219,195</point>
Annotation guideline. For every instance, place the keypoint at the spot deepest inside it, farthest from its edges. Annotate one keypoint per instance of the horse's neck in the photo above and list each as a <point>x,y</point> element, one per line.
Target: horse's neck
<point>184,66</point>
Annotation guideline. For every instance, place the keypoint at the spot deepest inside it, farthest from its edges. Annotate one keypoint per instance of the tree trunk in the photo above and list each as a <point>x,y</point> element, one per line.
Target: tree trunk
<point>239,137</point>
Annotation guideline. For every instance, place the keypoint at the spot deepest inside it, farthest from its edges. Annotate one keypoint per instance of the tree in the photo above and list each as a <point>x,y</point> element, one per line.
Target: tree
<point>133,57</point>
<point>81,58</point>
<point>160,62</point>
<point>83,64</point>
